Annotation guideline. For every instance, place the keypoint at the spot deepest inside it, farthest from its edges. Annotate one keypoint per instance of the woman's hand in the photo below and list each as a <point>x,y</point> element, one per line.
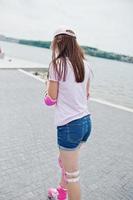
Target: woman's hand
<point>88,89</point>
<point>88,95</point>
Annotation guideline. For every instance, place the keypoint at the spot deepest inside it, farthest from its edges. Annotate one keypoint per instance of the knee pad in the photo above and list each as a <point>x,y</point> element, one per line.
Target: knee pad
<point>69,176</point>
<point>48,100</point>
<point>72,177</point>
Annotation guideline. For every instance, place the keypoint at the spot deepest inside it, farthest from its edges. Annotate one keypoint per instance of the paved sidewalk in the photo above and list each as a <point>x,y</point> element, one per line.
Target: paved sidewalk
<point>28,150</point>
<point>16,63</point>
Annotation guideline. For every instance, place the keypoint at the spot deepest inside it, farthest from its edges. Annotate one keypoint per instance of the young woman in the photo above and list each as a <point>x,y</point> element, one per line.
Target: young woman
<point>68,90</point>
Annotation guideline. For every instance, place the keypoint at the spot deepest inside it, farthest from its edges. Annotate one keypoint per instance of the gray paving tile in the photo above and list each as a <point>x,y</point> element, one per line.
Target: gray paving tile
<point>28,150</point>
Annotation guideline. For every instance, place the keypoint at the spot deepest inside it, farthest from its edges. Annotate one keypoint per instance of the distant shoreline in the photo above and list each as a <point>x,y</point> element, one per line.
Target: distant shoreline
<point>88,50</point>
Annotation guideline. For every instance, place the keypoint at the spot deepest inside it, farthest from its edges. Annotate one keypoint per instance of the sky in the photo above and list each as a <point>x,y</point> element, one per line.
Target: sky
<point>104,24</point>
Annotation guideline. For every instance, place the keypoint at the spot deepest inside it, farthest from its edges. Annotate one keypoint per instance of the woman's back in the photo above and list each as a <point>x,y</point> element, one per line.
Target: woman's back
<point>72,96</point>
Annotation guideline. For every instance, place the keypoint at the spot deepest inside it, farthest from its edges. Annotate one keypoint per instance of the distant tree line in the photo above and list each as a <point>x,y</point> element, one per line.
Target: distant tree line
<point>43,44</point>
<point>88,50</point>
<point>109,55</point>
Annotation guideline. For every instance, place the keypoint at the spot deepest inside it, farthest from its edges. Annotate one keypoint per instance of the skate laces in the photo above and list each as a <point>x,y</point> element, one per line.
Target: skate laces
<point>62,193</point>
<point>61,188</point>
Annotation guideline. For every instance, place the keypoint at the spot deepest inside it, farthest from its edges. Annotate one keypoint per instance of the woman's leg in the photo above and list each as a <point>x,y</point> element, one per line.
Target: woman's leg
<point>70,161</point>
<point>62,181</point>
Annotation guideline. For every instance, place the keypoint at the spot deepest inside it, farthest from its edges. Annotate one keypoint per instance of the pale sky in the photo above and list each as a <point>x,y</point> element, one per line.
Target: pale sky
<point>104,24</point>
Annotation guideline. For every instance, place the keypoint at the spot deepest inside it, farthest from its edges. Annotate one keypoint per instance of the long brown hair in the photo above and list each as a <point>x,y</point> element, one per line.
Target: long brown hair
<point>63,46</point>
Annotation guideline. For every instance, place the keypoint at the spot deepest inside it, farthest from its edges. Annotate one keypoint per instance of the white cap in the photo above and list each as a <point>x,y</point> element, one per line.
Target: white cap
<point>64,30</point>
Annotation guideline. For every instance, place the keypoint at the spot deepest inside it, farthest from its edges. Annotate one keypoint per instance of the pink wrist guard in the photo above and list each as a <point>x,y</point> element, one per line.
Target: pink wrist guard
<point>49,101</point>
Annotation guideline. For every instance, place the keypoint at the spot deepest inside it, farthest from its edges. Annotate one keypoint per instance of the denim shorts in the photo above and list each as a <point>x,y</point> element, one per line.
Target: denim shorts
<point>71,135</point>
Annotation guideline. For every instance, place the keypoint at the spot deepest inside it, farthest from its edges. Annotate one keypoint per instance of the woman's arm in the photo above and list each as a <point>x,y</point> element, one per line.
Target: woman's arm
<point>88,88</point>
<point>52,88</point>
<point>51,93</point>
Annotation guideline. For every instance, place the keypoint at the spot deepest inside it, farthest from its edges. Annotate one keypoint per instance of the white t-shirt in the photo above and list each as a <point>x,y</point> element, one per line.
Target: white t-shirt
<point>72,100</point>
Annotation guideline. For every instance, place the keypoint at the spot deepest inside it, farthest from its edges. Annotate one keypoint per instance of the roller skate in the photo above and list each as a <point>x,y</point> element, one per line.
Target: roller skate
<point>58,193</point>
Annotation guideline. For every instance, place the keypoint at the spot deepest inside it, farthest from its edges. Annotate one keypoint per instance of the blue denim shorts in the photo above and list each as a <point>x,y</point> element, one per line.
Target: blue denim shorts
<point>71,135</point>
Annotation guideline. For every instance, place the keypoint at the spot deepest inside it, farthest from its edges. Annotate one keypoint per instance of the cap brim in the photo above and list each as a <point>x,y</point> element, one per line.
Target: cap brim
<point>64,32</point>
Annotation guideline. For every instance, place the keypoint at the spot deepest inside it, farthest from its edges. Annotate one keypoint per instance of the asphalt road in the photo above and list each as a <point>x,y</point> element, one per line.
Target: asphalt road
<point>28,150</point>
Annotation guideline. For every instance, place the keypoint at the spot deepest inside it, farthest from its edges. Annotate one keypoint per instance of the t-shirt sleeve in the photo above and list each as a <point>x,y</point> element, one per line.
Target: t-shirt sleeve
<point>52,74</point>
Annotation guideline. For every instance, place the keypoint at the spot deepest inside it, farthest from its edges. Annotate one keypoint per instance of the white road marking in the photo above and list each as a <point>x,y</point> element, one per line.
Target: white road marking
<point>112,104</point>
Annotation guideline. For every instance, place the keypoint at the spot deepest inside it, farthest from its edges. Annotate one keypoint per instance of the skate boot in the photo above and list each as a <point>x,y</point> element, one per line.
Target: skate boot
<point>57,194</point>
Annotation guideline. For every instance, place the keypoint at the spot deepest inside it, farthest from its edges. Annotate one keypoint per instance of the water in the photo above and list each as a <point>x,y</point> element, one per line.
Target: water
<point>112,81</point>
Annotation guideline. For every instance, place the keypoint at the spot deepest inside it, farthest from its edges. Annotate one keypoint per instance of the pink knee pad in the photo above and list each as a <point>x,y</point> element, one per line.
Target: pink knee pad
<point>75,175</point>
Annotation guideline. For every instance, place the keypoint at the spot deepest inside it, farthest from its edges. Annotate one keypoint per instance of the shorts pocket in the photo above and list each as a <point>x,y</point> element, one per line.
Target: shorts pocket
<point>74,133</point>
<point>61,135</point>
